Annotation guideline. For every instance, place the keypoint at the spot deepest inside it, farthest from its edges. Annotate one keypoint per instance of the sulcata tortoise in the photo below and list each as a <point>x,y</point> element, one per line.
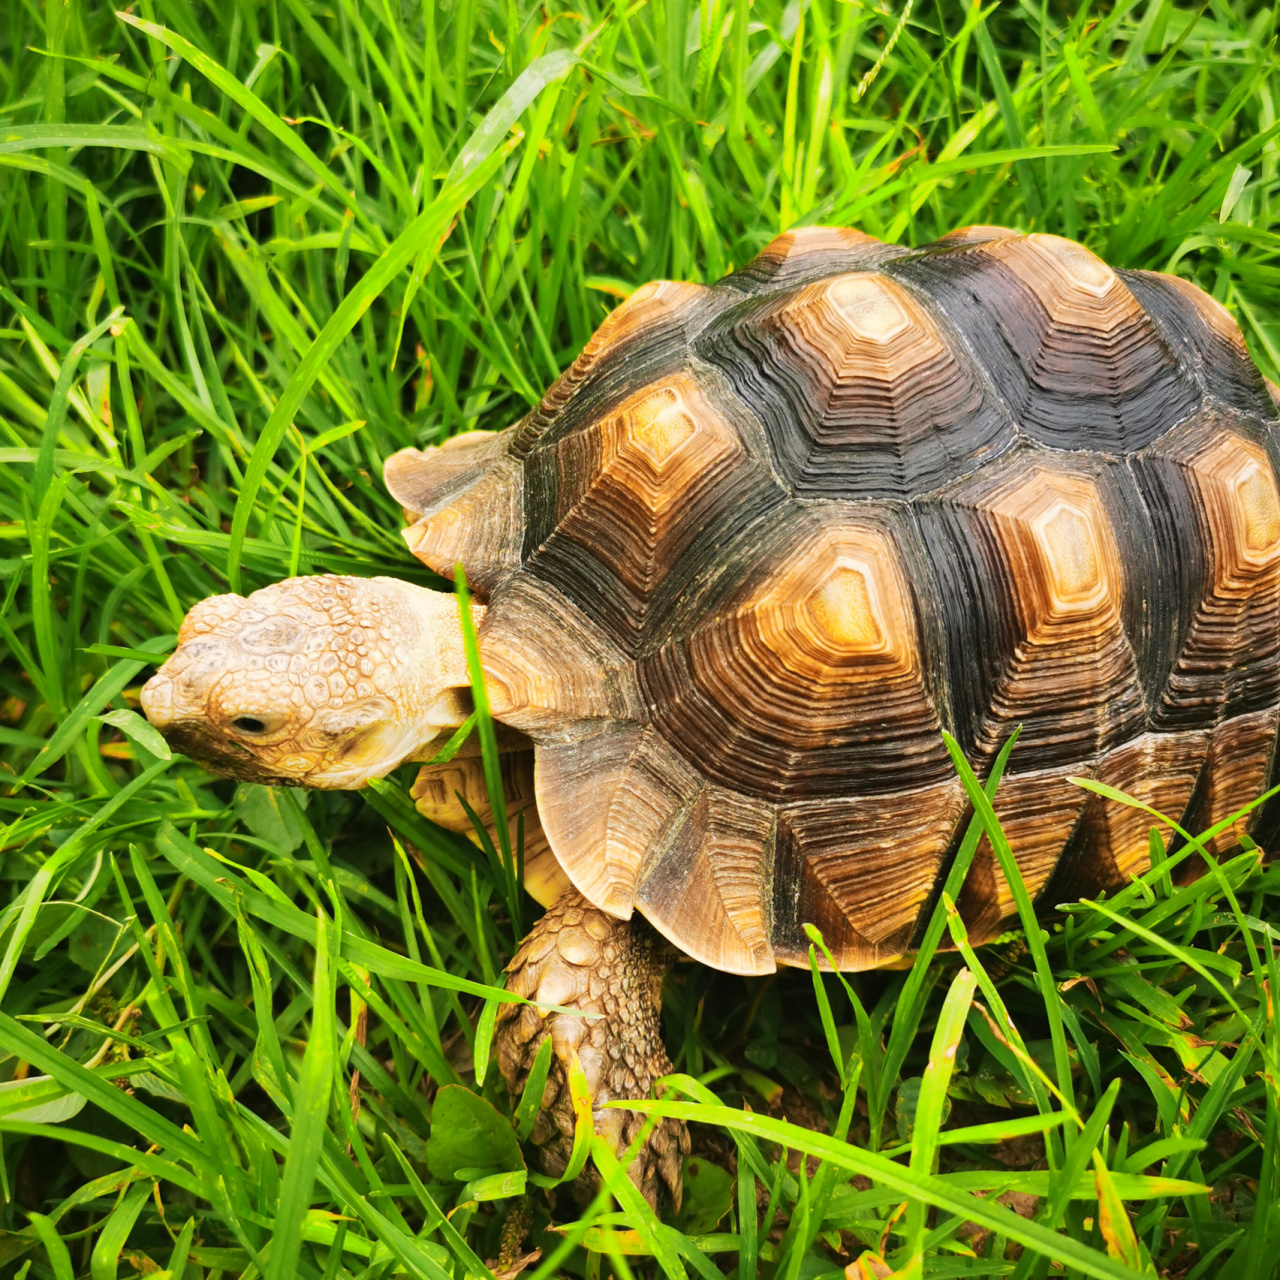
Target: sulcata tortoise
<point>749,557</point>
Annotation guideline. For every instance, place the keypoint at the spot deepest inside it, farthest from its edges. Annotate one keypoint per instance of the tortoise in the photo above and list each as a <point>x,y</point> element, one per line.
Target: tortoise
<point>752,553</point>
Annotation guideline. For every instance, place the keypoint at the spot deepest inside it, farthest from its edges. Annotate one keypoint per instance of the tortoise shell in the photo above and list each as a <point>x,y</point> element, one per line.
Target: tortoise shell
<point>765,540</point>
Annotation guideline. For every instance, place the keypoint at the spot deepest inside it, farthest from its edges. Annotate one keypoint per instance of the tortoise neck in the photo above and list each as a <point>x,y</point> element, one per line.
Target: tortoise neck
<point>445,699</point>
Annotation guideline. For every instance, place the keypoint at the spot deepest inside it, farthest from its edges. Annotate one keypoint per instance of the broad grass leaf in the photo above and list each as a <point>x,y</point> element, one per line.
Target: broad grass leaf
<point>138,730</point>
<point>540,73</point>
<point>61,1105</point>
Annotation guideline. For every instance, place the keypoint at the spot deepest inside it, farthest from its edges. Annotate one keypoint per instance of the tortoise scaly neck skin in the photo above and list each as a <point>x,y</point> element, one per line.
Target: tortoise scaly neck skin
<point>317,682</point>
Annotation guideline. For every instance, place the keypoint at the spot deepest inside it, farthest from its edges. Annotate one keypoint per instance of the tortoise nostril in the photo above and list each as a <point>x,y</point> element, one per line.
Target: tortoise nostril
<point>249,724</point>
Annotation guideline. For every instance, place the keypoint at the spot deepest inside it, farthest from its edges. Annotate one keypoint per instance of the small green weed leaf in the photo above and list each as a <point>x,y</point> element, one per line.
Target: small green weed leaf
<point>264,811</point>
<point>484,1040</point>
<point>708,1194</point>
<point>469,1133</point>
<point>495,1186</point>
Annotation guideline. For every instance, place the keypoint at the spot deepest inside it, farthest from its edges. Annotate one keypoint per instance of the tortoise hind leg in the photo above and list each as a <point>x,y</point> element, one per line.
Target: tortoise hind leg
<point>579,957</point>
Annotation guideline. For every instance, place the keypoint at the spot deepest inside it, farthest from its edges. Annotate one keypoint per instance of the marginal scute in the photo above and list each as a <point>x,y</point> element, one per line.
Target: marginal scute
<point>860,870</point>
<point>548,668</point>
<point>979,233</point>
<point>438,792</point>
<point>1037,812</point>
<point>1157,769</point>
<point>1220,492</point>
<point>424,479</point>
<point>632,491</point>
<point>1236,770</point>
<point>1206,337</point>
<point>810,681</point>
<point>1065,342</point>
<point>482,528</point>
<point>1211,311</point>
<point>605,802</point>
<point>656,310</point>
<point>703,884</point>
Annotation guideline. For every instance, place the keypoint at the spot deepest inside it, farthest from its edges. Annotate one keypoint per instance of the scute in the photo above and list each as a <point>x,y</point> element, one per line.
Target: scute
<point>1067,345</point>
<point>802,672</point>
<point>1038,634</point>
<point>646,332</point>
<point>1216,491</point>
<point>1207,338</point>
<point>805,254</point>
<point>765,540</point>
<point>852,376</point>
<point>624,497</point>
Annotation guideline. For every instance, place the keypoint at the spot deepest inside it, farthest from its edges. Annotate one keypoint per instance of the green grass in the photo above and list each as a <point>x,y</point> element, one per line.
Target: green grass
<point>249,249</point>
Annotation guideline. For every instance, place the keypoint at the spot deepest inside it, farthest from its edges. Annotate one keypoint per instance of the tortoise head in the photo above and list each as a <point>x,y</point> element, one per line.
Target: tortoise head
<point>315,682</point>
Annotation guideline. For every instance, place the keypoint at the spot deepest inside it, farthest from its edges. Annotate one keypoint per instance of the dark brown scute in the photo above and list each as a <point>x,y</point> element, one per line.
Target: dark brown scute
<point>1066,344</point>
<point>1205,337</point>
<point>623,498</point>
<point>1112,841</point>
<point>641,338</point>
<point>1235,772</point>
<point>1213,493</point>
<point>853,377</point>
<point>860,869</point>
<point>1033,587</point>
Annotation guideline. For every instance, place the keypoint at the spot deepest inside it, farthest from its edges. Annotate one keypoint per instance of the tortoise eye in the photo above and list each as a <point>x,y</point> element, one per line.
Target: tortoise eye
<point>249,724</point>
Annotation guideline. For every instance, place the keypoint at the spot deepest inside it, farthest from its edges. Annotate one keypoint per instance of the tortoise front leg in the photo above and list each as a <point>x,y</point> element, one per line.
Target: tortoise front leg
<point>579,957</point>
<point>435,795</point>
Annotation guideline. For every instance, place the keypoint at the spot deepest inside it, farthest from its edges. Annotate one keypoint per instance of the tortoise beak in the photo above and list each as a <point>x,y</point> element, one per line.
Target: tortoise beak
<point>158,701</point>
